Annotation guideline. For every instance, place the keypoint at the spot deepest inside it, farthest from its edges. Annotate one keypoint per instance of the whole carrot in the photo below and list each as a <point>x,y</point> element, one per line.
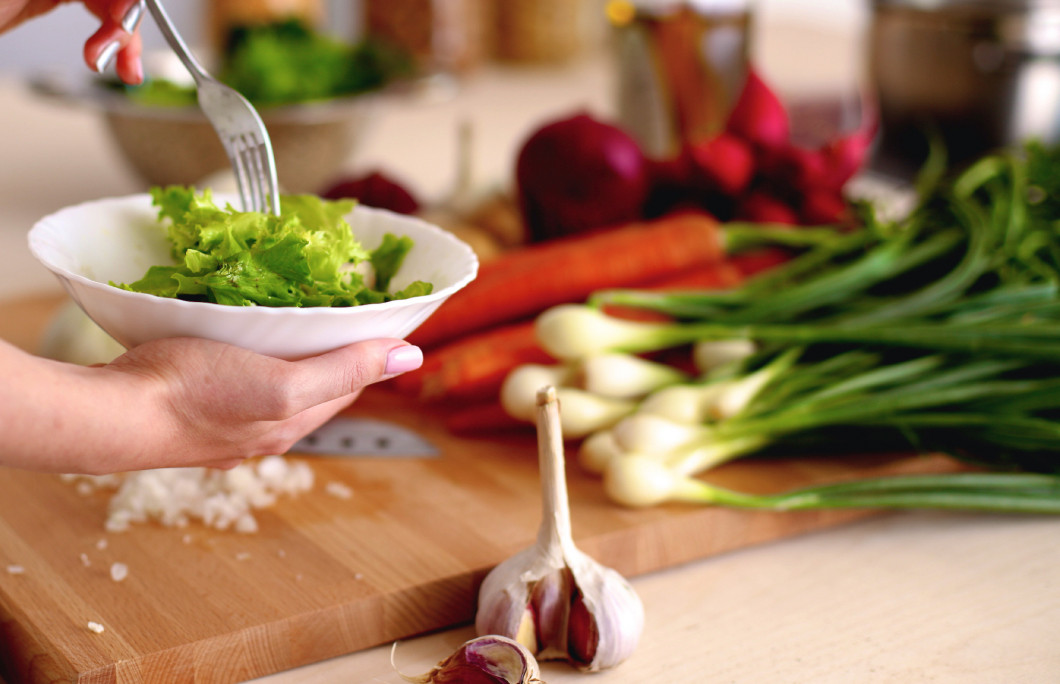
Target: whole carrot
<point>473,367</point>
<point>526,281</point>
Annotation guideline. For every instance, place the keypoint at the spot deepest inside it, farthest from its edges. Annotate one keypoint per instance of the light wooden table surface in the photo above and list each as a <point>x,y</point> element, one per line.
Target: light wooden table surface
<point>912,597</point>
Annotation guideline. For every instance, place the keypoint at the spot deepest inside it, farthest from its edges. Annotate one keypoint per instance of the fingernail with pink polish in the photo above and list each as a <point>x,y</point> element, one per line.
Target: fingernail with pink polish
<point>403,359</point>
<point>106,56</point>
<point>131,21</point>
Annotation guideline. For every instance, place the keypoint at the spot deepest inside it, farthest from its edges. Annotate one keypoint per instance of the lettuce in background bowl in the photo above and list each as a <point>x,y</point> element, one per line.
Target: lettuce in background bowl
<point>90,245</point>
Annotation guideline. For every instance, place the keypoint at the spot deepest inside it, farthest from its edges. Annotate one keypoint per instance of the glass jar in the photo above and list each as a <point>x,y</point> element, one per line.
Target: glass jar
<point>681,64</point>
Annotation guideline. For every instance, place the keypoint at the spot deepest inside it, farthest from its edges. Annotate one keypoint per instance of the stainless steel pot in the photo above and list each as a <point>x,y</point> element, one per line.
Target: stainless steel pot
<point>982,74</point>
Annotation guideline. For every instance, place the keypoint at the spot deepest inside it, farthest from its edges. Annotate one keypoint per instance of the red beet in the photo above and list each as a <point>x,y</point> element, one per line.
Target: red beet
<point>759,116</point>
<point>796,167</point>
<point>723,163</point>
<point>577,174</point>
<point>670,186</point>
<point>375,189</point>
<point>823,206</point>
<point>761,207</point>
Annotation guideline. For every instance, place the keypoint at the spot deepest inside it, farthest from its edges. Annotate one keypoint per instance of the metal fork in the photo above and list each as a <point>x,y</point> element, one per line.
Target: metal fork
<point>237,123</point>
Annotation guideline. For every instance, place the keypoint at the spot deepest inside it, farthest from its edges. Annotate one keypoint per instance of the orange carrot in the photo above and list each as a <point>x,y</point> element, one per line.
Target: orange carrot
<point>483,417</point>
<point>474,366</point>
<point>524,282</point>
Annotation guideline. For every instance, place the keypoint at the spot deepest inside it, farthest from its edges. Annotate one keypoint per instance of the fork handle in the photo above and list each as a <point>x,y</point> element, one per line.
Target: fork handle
<point>180,48</point>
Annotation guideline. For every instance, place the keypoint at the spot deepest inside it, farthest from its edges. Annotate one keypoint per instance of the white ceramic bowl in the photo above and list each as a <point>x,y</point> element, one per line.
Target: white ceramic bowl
<point>91,244</point>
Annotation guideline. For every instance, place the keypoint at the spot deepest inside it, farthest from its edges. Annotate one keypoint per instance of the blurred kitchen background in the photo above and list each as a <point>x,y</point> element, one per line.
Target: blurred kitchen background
<point>974,73</point>
<point>63,31</point>
<point>529,59</point>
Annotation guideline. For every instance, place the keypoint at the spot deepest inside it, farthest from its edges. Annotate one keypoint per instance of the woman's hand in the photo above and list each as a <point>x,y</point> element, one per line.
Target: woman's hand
<point>178,402</point>
<point>117,37</point>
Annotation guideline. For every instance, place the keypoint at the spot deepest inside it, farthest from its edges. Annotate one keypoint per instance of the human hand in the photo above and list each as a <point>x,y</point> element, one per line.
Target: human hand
<point>117,37</point>
<point>182,402</point>
<point>217,404</point>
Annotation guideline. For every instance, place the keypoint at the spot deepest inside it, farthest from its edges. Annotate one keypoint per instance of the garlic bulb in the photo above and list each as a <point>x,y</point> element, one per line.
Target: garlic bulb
<point>556,600</point>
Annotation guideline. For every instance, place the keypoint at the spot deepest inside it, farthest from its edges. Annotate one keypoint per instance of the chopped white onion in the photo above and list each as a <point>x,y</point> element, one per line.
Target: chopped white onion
<point>119,571</point>
<point>220,499</point>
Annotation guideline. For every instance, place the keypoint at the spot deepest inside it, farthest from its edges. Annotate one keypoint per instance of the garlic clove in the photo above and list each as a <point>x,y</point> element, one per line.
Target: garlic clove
<point>549,603</point>
<point>584,635</point>
<point>489,659</point>
<point>504,603</point>
<point>606,619</point>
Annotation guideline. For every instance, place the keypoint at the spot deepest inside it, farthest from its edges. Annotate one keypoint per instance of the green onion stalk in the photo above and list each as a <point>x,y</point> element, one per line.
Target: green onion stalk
<point>939,330</point>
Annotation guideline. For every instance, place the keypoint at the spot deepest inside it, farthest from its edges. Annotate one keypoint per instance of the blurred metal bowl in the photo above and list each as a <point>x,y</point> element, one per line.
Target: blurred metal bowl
<point>980,73</point>
<point>311,142</point>
<point>176,145</point>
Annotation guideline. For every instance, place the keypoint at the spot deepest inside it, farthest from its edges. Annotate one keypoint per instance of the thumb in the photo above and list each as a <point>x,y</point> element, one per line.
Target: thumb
<point>349,369</point>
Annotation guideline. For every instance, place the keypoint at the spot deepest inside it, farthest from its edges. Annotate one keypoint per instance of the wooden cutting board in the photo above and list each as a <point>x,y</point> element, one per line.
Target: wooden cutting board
<point>325,576</point>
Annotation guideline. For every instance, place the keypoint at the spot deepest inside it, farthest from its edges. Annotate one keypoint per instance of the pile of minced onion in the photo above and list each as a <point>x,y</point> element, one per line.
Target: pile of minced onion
<point>221,499</point>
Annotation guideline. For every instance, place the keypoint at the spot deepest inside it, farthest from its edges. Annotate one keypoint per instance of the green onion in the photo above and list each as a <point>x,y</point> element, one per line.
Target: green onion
<point>939,330</point>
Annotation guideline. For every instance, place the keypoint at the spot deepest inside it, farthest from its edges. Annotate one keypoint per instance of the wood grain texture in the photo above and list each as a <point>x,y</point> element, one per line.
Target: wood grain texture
<point>326,576</point>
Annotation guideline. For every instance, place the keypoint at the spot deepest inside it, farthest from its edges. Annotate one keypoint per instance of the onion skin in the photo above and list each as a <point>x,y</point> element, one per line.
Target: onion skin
<point>578,174</point>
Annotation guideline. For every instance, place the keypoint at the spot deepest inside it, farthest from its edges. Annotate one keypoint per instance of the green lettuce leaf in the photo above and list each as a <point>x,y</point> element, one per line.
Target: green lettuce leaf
<point>303,257</point>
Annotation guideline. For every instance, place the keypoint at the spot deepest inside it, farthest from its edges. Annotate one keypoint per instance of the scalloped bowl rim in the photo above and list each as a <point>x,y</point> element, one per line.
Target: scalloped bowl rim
<point>43,236</point>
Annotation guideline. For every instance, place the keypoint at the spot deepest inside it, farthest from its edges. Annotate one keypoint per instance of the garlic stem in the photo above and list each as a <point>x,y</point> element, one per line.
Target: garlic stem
<point>555,504</point>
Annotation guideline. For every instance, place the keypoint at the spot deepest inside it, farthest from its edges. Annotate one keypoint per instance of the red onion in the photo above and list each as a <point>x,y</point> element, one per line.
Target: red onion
<point>375,189</point>
<point>577,174</point>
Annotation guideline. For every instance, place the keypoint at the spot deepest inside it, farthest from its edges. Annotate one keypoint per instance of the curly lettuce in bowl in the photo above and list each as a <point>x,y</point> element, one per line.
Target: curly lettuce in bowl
<point>306,256</point>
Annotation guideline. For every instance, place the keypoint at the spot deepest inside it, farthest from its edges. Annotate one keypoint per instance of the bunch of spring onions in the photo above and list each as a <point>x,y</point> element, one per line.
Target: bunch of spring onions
<point>938,331</point>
